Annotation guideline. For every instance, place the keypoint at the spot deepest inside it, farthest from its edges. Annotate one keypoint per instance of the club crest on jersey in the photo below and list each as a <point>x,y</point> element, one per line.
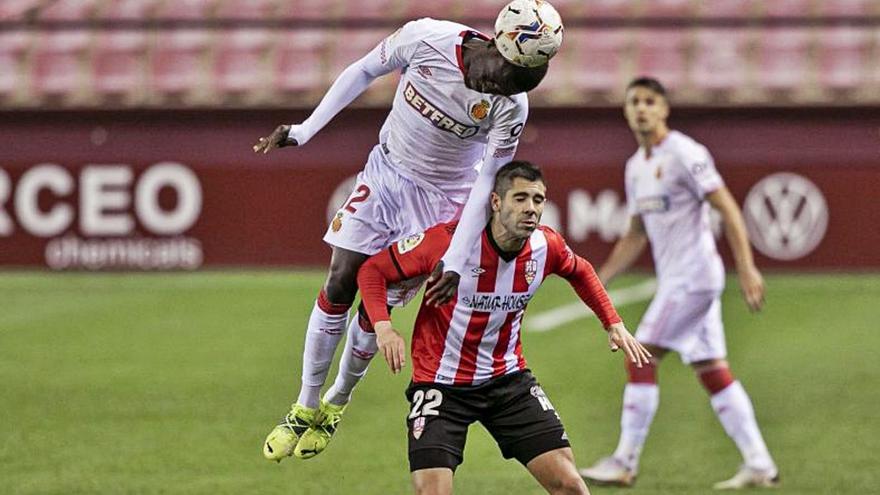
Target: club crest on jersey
<point>436,116</point>
<point>531,269</point>
<point>336,224</point>
<point>410,243</point>
<point>480,111</point>
<point>418,427</point>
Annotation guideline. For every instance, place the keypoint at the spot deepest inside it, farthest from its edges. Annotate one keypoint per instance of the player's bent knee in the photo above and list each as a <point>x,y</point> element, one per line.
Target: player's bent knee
<point>432,481</point>
<point>570,485</point>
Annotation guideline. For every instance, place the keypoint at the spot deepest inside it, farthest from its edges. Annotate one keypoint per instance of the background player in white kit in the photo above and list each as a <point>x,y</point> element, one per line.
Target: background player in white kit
<point>460,103</point>
<point>671,182</point>
<point>468,363</point>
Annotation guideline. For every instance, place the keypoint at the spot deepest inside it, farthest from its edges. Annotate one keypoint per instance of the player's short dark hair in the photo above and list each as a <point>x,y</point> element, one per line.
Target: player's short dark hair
<point>526,79</point>
<point>517,168</point>
<point>647,82</point>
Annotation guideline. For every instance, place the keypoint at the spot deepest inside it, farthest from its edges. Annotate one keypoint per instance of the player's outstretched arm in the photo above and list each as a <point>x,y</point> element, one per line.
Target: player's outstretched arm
<point>750,280</point>
<point>620,338</point>
<point>626,251</point>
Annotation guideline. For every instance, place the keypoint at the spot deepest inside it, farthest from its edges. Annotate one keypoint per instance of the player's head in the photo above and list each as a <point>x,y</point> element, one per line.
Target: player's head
<point>646,107</point>
<point>518,198</point>
<point>489,72</point>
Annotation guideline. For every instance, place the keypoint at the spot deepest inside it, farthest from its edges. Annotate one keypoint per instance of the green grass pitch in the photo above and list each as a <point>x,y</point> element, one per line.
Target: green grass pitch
<point>167,384</point>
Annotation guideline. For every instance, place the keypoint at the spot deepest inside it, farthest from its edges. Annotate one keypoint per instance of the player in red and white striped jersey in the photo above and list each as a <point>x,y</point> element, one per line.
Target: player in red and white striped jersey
<point>468,363</point>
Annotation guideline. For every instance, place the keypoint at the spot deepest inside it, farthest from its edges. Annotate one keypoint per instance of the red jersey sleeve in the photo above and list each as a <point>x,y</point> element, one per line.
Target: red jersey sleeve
<point>408,258</point>
<point>582,277</point>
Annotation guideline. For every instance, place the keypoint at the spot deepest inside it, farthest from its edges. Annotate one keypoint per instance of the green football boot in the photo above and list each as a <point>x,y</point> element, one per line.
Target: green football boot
<point>284,437</point>
<point>316,438</point>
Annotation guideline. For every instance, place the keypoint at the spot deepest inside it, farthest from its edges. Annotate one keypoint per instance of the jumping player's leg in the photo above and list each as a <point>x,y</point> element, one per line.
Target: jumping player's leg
<point>556,472</point>
<point>360,347</point>
<point>432,481</point>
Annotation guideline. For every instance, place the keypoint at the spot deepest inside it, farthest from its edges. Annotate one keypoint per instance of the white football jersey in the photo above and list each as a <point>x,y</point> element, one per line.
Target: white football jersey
<point>438,129</point>
<point>668,192</point>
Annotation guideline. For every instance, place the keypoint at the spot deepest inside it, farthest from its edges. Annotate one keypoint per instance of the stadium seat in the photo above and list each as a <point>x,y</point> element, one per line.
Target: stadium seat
<point>844,58</point>
<point>309,9</point>
<point>18,9</point>
<point>241,63</point>
<point>68,10</point>
<point>668,8</point>
<point>299,61</point>
<point>783,59</point>
<point>846,7</point>
<point>13,47</point>
<point>661,54</point>
<point>59,63</point>
<point>787,8</point>
<point>186,9</point>
<point>127,10</point>
<point>720,61</point>
<point>729,9</point>
<point>179,60</point>
<point>610,8</point>
<point>602,55</point>
<point>119,64</point>
<point>438,9</point>
<point>352,46</point>
<point>373,10</point>
<point>246,9</point>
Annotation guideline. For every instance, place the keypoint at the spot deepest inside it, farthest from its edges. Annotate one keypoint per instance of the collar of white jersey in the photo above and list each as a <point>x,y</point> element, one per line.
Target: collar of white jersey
<point>462,37</point>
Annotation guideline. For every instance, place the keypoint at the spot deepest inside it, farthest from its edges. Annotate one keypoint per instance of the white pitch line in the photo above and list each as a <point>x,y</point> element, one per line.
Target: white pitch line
<point>556,317</point>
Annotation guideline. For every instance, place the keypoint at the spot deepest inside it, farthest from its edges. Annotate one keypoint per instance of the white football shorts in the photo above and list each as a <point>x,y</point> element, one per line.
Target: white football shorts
<point>384,207</point>
<point>687,322</point>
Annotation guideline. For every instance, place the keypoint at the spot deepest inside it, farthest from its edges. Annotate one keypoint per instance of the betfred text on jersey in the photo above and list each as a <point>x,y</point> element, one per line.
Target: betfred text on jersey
<point>436,116</point>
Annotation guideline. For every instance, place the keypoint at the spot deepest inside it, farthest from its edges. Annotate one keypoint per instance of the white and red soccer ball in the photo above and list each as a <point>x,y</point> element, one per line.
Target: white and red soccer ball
<point>528,32</point>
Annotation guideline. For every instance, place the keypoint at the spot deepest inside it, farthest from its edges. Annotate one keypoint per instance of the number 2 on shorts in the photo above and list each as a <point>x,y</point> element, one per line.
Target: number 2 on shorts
<point>361,194</point>
<point>432,400</point>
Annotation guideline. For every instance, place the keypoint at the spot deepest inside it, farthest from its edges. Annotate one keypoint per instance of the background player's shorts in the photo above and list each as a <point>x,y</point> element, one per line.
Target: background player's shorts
<point>383,208</point>
<point>513,408</point>
<point>685,321</point>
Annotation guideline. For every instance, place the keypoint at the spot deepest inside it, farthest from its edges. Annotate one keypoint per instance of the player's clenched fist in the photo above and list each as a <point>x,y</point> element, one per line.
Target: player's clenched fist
<point>391,345</point>
<point>279,138</point>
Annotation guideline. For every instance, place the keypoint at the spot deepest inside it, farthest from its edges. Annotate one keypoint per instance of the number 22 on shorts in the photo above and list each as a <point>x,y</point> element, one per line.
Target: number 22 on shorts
<point>361,193</point>
<point>425,403</point>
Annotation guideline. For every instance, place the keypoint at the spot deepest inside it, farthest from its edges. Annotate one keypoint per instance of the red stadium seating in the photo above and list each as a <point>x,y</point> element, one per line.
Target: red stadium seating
<point>308,9</point>
<point>669,8</point>
<point>299,60</point>
<point>783,59</point>
<point>127,10</point>
<point>661,54</point>
<point>727,8</point>
<point>186,9</point>
<point>787,8</point>
<point>377,9</point>
<point>13,46</point>
<point>609,8</point>
<point>179,60</point>
<point>59,63</point>
<point>241,63</point>
<point>68,10</point>
<point>844,57</point>
<point>350,48</point>
<point>720,61</point>
<point>246,9</point>
<point>602,55</point>
<point>847,7</point>
<point>17,9</point>
<point>438,9</point>
<point>119,63</point>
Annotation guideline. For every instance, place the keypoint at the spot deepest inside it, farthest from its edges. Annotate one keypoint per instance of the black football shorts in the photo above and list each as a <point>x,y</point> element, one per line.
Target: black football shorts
<point>513,408</point>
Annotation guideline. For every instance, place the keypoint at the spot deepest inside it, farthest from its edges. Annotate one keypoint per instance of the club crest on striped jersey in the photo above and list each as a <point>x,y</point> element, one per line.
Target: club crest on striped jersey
<point>418,427</point>
<point>531,269</point>
<point>410,243</point>
<point>480,111</point>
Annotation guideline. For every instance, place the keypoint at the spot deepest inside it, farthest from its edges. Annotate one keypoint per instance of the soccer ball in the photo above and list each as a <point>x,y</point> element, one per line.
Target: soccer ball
<point>528,32</point>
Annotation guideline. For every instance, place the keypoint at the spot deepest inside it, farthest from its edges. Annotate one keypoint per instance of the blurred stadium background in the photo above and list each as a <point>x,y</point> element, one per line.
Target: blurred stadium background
<point>125,130</point>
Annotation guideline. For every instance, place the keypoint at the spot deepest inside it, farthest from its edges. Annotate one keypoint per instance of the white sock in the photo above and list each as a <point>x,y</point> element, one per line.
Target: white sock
<point>640,401</point>
<point>360,347</point>
<point>322,336</point>
<point>735,411</point>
